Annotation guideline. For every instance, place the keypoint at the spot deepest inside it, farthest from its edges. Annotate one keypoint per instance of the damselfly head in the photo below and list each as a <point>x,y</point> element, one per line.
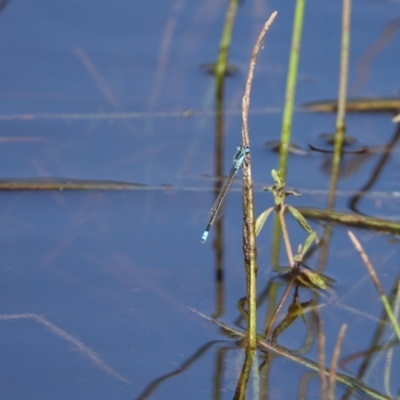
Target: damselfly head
<point>245,149</point>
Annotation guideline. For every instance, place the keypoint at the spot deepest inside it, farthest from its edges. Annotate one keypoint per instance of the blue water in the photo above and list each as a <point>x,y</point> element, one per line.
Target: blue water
<point>96,285</point>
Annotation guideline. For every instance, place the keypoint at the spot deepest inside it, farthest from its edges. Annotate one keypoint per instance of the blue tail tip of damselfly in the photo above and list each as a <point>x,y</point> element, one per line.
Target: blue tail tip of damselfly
<point>204,237</point>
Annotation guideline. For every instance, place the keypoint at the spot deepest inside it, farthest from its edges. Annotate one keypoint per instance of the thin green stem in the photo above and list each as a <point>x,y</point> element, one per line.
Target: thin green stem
<point>291,85</point>
<point>221,65</point>
<point>340,121</point>
<point>344,66</point>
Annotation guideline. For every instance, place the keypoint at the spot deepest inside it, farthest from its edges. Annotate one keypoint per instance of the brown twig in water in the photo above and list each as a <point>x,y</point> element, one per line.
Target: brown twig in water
<point>74,341</point>
<point>321,355</point>
<point>285,235</point>
<point>101,82</point>
<point>278,308</point>
<point>367,263</point>
<point>334,363</point>
<point>246,97</point>
<point>376,282</point>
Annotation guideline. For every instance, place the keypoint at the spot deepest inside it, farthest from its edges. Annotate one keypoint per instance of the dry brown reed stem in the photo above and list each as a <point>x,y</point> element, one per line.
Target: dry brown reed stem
<point>249,234</point>
<point>278,308</point>
<point>377,284</point>
<point>246,97</point>
<point>285,235</point>
<point>367,263</point>
<point>335,359</point>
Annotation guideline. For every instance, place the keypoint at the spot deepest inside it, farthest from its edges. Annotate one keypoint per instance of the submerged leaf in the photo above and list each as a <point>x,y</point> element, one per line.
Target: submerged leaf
<point>242,308</point>
<point>357,105</point>
<point>295,309</point>
<point>262,219</point>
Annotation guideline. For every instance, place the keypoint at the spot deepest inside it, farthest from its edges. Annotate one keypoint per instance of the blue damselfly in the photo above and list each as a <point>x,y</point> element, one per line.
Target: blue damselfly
<point>238,160</point>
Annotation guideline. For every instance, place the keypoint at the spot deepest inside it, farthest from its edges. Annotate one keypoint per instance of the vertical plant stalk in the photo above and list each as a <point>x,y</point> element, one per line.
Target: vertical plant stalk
<point>341,113</point>
<point>321,355</point>
<point>344,66</point>
<point>291,86</point>
<point>220,74</point>
<point>249,234</point>
<point>376,282</point>
<point>241,388</point>
<point>288,111</point>
<point>219,145</point>
<point>221,65</point>
<point>335,360</point>
<point>340,127</point>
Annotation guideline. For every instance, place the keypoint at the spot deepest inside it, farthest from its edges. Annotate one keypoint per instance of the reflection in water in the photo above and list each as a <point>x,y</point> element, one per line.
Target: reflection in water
<point>295,310</point>
<point>365,60</point>
<point>376,172</point>
<point>256,365</point>
<point>153,385</point>
<point>351,159</point>
<point>3,4</point>
<point>275,146</point>
<point>249,365</point>
<point>350,163</point>
<point>76,343</point>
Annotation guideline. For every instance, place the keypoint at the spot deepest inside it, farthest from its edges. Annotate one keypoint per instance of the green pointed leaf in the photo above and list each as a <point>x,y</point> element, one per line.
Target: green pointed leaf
<point>300,219</point>
<point>314,278</point>
<point>277,177</point>
<point>261,219</point>
<point>299,247</point>
<point>311,237</point>
<point>298,258</point>
<point>290,192</point>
